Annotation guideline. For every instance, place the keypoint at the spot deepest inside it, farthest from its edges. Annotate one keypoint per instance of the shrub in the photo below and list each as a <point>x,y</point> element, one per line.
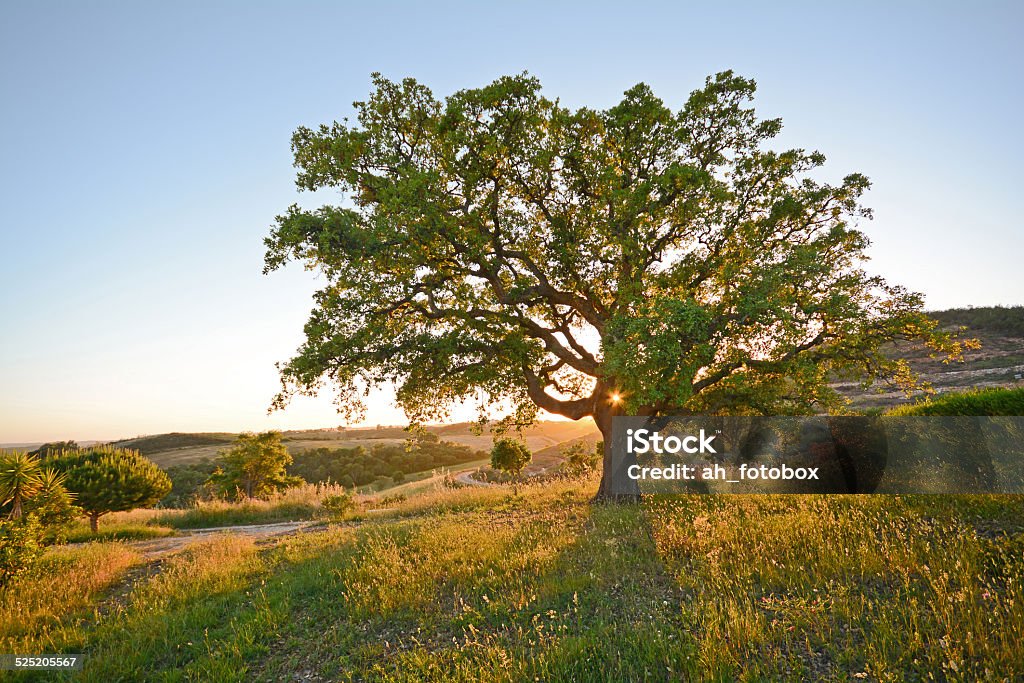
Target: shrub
<point>981,402</point>
<point>392,500</point>
<point>54,506</point>
<point>580,458</point>
<point>20,546</point>
<point>338,503</point>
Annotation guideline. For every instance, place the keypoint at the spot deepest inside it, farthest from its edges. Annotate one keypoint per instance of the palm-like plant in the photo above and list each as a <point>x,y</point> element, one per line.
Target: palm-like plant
<point>20,479</point>
<point>51,481</point>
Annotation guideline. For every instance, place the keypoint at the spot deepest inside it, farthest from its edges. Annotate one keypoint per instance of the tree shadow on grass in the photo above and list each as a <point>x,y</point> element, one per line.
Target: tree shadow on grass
<point>558,590</point>
<point>599,607</point>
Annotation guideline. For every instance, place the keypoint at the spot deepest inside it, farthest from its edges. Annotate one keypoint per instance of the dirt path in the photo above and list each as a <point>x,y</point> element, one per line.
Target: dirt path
<point>159,547</point>
<point>467,479</point>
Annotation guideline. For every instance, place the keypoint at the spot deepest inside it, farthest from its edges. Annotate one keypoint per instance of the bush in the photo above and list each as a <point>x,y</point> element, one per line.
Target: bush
<point>392,500</point>
<point>338,504</point>
<point>581,458</point>
<point>55,508</point>
<point>981,402</point>
<point>20,546</point>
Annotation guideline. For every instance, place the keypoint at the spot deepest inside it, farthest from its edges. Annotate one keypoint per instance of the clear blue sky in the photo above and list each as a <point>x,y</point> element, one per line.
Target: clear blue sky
<point>145,153</point>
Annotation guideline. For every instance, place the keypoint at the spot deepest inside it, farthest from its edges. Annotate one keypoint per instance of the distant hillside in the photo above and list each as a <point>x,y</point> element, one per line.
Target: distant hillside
<point>999,361</point>
<point>182,449</point>
<point>148,445</point>
<point>1007,320</point>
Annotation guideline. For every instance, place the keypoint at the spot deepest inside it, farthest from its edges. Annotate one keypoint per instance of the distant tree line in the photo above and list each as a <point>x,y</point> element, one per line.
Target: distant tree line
<point>360,466</point>
<point>1007,320</point>
<point>188,482</point>
<point>259,465</point>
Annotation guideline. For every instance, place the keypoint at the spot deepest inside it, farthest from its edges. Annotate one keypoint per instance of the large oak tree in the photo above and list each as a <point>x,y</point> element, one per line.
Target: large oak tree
<point>501,247</point>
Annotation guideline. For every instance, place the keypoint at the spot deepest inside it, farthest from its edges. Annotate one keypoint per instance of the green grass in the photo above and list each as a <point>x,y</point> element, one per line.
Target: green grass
<point>117,531</point>
<point>982,402</point>
<point>39,613</point>
<point>299,503</point>
<point>475,584</point>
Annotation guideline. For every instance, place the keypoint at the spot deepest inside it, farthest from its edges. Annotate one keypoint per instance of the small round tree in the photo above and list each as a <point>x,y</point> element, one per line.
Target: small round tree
<point>105,479</point>
<point>509,455</point>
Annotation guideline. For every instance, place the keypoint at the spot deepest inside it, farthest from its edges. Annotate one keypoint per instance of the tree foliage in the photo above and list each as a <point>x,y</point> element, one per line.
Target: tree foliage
<point>510,455</point>
<point>189,482</point>
<point>106,479</point>
<point>498,246</point>
<point>27,487</point>
<point>1008,320</point>
<point>255,467</point>
<point>54,506</point>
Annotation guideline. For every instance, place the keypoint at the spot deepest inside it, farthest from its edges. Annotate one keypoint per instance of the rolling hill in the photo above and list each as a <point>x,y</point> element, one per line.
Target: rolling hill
<point>177,448</point>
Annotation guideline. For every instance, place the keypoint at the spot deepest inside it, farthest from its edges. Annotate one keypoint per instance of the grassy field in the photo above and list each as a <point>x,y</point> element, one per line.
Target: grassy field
<point>475,584</point>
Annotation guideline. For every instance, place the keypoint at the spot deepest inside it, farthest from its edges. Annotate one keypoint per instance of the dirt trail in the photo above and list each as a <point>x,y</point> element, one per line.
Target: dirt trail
<point>467,479</point>
<point>159,547</point>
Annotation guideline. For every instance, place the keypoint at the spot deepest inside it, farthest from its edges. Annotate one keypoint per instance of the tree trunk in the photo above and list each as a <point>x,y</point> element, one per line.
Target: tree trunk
<point>613,489</point>
<point>94,522</point>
